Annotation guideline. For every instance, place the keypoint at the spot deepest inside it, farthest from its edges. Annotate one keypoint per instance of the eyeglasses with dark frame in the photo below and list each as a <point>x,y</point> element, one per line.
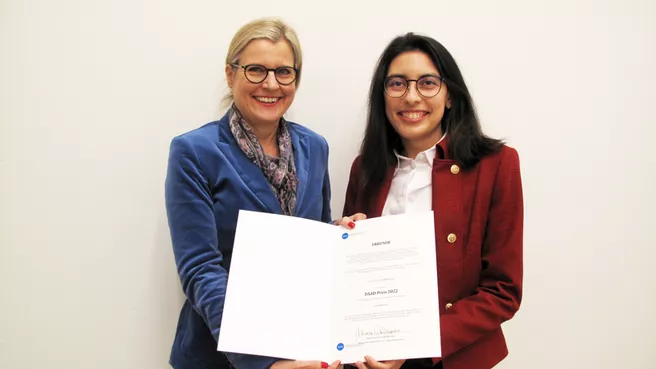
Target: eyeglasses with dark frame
<point>257,73</point>
<point>427,86</point>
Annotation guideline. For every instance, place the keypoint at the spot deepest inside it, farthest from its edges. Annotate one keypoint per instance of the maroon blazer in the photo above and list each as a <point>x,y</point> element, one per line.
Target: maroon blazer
<point>479,216</point>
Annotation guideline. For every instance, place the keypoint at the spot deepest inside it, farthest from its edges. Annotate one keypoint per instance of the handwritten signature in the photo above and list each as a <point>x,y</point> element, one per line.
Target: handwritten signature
<point>376,331</point>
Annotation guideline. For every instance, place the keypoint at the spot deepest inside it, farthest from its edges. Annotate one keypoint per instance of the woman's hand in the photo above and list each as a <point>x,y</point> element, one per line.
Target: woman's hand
<point>349,222</point>
<point>294,364</point>
<point>373,364</point>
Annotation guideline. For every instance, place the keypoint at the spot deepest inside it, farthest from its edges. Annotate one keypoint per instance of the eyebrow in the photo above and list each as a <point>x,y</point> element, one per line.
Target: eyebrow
<point>267,66</point>
<point>406,77</point>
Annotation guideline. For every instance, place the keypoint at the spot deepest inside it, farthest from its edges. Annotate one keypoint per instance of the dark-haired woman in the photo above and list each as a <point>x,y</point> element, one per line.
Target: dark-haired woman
<point>424,150</point>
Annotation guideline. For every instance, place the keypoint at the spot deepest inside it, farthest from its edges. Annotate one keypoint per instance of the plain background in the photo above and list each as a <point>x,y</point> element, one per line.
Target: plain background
<point>92,92</point>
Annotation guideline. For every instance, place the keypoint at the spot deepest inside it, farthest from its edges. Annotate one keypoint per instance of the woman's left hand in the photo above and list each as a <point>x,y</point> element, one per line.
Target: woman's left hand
<point>349,222</point>
<point>373,364</point>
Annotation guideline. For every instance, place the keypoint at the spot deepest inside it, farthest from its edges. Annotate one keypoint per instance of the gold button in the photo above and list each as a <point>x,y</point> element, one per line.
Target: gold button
<point>455,169</point>
<point>451,237</point>
<point>448,305</point>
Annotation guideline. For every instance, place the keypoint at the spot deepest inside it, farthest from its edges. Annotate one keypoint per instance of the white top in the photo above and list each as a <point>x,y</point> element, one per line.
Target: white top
<point>411,189</point>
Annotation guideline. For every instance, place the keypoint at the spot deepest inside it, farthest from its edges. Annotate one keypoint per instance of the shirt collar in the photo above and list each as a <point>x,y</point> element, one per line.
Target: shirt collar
<point>426,156</point>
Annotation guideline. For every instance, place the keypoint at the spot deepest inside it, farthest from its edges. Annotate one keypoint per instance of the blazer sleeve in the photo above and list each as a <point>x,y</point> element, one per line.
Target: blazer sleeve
<point>326,212</point>
<point>195,242</point>
<point>499,293</point>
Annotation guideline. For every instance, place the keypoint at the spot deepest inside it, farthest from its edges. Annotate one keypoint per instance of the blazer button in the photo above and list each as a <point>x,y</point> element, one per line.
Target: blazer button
<point>448,306</point>
<point>451,237</point>
<point>455,169</point>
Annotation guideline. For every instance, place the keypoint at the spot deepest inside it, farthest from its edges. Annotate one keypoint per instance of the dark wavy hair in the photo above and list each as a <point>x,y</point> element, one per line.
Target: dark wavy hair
<point>467,143</point>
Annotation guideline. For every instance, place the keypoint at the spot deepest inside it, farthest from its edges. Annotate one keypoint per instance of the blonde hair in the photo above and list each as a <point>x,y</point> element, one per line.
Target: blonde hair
<point>272,29</point>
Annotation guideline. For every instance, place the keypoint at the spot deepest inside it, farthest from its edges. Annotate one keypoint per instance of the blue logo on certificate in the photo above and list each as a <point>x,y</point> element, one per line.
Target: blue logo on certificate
<point>340,346</point>
<point>345,236</point>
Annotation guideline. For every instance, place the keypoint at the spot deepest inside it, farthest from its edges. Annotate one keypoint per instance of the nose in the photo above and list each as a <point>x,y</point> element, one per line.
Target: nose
<point>412,97</point>
<point>270,82</point>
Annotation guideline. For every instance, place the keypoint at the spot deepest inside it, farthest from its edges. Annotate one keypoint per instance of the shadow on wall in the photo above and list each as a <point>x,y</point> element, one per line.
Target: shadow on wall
<point>166,291</point>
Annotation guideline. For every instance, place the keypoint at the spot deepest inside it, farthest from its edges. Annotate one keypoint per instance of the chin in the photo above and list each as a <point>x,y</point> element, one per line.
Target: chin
<point>270,116</point>
<point>410,130</point>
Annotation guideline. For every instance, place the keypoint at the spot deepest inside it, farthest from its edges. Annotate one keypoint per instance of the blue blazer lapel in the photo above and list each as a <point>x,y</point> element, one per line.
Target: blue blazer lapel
<point>302,162</point>
<point>250,173</point>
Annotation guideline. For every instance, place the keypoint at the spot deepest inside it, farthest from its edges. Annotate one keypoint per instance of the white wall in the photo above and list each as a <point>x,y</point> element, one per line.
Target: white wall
<point>91,92</point>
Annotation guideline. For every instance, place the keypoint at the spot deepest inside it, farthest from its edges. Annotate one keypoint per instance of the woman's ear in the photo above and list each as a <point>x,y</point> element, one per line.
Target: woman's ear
<point>229,71</point>
<point>448,101</point>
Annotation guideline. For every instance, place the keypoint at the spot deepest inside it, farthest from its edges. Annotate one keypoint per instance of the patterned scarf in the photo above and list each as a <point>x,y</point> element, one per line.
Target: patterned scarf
<point>279,171</point>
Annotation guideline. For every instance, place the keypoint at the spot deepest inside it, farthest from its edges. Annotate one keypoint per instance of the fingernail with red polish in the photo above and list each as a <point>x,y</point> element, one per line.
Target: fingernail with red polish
<point>351,224</point>
<point>324,365</point>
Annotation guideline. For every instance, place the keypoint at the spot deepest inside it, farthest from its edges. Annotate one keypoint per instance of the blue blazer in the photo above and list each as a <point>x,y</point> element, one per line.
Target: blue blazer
<point>208,180</point>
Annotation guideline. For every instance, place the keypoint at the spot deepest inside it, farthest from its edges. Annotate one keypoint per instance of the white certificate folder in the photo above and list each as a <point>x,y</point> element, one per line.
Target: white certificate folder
<point>305,290</point>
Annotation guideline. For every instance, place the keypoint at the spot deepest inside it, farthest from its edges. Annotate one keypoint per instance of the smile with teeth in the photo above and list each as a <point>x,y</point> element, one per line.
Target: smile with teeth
<point>413,115</point>
<point>268,100</point>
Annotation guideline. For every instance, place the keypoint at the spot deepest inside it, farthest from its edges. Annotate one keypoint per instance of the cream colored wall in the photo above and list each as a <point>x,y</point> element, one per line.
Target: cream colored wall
<point>91,92</point>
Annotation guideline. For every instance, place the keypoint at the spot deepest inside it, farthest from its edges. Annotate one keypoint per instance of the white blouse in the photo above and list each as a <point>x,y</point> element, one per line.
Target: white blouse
<point>411,189</point>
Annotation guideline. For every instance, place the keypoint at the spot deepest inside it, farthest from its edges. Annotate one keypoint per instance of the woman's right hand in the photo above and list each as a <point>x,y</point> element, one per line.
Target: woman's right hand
<point>349,222</point>
<point>295,364</point>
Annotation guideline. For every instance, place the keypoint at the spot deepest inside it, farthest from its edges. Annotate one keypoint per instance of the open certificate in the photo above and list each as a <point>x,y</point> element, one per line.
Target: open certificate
<point>305,290</point>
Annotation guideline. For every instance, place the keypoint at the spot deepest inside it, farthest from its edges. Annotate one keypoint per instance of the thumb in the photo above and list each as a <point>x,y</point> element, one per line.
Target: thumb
<point>359,216</point>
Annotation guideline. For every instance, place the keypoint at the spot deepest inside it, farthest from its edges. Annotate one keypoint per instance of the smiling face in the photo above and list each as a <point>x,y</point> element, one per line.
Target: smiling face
<point>417,119</point>
<point>263,103</point>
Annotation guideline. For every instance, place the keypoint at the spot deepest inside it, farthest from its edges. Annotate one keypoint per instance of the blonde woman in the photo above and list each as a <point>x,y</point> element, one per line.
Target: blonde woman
<point>251,159</point>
